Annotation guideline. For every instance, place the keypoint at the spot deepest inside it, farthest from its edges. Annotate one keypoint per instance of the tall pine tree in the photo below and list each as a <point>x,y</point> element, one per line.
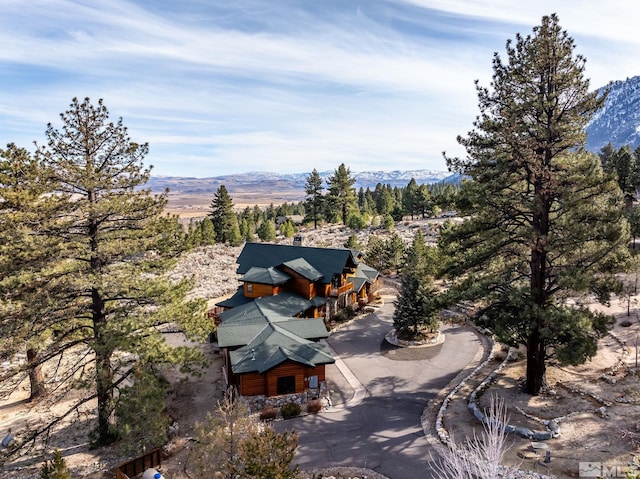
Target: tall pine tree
<point>342,194</point>
<point>544,223</point>
<point>224,219</point>
<point>314,199</point>
<point>107,293</point>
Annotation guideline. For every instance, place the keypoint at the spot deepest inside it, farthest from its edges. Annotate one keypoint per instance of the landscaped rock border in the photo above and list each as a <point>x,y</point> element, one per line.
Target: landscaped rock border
<point>392,338</point>
<point>443,434</point>
<point>341,473</point>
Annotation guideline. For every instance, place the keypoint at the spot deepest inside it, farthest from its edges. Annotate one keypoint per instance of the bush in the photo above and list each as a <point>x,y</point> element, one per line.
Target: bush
<point>290,409</point>
<point>314,406</point>
<point>340,316</point>
<point>268,413</point>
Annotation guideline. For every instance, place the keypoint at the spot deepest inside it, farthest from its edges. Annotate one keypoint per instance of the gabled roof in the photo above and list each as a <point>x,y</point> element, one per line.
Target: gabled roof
<point>366,271</point>
<point>273,346</point>
<point>238,299</point>
<point>327,261</point>
<point>286,303</point>
<point>269,275</point>
<point>358,283</point>
<point>303,268</point>
<point>241,325</point>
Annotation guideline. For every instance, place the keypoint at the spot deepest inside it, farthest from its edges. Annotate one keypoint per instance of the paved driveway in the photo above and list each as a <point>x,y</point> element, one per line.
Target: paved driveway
<point>381,430</point>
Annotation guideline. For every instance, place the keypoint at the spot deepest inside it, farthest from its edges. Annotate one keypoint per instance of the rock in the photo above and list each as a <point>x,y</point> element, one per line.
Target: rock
<point>553,426</point>
<point>542,435</point>
<point>528,454</point>
<point>602,411</point>
<point>524,432</point>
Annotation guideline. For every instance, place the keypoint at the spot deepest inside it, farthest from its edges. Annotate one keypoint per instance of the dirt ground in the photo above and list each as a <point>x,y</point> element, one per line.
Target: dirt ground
<point>596,405</point>
<point>577,396</point>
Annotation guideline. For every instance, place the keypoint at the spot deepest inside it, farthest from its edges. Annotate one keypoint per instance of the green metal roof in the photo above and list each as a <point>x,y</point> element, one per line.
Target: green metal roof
<point>303,268</point>
<point>269,275</point>
<point>366,271</point>
<point>273,346</point>
<point>241,325</point>
<point>238,299</point>
<point>327,261</point>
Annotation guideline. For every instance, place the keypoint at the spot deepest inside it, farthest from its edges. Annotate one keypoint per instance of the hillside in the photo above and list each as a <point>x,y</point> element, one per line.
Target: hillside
<point>618,121</point>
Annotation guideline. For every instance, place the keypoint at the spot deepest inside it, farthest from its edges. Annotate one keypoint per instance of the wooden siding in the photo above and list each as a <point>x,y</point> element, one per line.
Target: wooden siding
<point>287,368</point>
<point>260,290</point>
<point>299,284</point>
<point>252,384</point>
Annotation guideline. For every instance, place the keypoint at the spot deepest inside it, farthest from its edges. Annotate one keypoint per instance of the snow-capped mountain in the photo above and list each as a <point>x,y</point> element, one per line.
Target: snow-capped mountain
<point>296,181</point>
<point>618,122</point>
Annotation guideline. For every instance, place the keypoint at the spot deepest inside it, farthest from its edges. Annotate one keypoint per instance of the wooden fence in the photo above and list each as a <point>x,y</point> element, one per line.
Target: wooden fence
<point>132,468</point>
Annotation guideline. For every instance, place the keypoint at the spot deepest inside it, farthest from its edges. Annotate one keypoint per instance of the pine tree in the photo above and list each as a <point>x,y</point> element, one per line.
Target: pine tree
<point>55,468</point>
<point>107,294</point>
<point>314,200</point>
<point>417,305</point>
<point>224,219</point>
<point>267,230</point>
<point>28,254</point>
<point>207,232</point>
<point>342,194</point>
<point>544,221</point>
<point>410,198</point>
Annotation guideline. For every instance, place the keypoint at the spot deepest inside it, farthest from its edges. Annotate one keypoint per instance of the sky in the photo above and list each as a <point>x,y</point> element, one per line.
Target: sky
<point>218,87</point>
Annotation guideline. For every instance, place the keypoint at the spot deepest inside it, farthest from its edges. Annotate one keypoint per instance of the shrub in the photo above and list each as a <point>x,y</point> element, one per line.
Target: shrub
<point>290,409</point>
<point>340,316</point>
<point>268,413</point>
<point>314,406</point>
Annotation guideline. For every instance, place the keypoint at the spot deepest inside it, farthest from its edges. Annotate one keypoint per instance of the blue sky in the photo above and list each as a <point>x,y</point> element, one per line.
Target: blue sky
<point>228,86</point>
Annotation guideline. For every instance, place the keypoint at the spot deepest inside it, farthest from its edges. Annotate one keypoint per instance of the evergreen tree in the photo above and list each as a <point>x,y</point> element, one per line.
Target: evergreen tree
<point>194,235</point>
<point>342,194</point>
<point>207,232</point>
<point>268,455</point>
<point>544,221</point>
<point>28,255</point>
<point>287,229</point>
<point>416,307</point>
<point>396,249</point>
<point>225,221</point>
<point>377,254</point>
<point>109,293</point>
<point>353,243</point>
<point>55,468</point>
<point>267,230</point>
<point>410,198</point>
<point>388,223</point>
<point>232,444</point>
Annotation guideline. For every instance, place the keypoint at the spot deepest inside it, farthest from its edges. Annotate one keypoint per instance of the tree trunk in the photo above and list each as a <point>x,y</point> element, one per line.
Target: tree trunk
<point>104,373</point>
<point>536,369</point>
<point>36,378</point>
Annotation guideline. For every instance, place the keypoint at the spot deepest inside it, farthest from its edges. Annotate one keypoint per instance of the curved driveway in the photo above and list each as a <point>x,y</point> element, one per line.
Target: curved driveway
<point>381,431</point>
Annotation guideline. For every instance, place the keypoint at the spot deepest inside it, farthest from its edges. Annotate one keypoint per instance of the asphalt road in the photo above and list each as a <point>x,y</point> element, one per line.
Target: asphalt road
<point>382,430</point>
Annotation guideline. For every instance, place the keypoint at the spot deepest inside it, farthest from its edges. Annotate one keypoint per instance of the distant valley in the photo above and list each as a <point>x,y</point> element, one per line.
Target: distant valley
<point>191,197</point>
<point>617,122</point>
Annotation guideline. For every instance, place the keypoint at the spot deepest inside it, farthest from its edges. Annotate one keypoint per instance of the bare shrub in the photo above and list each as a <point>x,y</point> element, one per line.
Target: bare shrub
<point>314,406</point>
<point>480,457</point>
<point>268,413</point>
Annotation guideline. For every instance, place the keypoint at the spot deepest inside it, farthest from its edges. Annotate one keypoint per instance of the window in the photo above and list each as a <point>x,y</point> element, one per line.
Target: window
<point>286,384</point>
<point>249,288</point>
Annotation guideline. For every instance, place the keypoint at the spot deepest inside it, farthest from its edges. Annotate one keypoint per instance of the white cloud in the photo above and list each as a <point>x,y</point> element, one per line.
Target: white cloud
<point>243,85</point>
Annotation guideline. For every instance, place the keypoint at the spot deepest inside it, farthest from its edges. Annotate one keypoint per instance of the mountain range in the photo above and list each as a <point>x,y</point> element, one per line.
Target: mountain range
<point>618,122</point>
<point>259,180</point>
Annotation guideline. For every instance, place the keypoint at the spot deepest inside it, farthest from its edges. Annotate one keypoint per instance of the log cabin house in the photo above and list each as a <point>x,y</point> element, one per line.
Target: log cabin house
<point>269,330</point>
